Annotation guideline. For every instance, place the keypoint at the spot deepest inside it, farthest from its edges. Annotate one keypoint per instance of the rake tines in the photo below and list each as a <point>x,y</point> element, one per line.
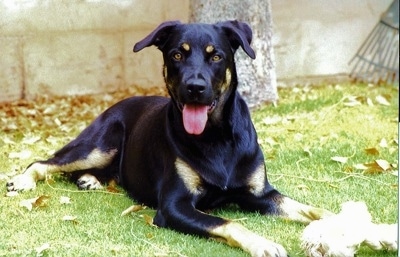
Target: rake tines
<point>378,57</point>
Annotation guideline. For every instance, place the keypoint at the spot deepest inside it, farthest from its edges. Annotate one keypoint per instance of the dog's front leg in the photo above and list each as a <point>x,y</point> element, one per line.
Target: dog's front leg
<point>176,210</point>
<point>265,199</point>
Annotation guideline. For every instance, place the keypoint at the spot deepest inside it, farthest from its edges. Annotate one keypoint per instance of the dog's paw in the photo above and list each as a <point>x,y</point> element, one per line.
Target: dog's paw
<point>21,182</point>
<point>267,248</point>
<point>88,182</point>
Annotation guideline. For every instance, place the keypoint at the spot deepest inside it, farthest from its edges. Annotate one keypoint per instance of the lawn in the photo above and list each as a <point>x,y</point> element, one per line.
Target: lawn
<point>323,146</point>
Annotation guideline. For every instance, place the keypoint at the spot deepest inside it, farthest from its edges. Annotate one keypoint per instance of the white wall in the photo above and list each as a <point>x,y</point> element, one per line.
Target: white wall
<point>315,39</point>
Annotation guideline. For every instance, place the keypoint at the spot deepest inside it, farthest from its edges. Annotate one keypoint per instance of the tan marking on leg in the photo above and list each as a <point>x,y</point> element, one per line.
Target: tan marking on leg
<point>186,47</point>
<point>189,176</point>
<point>236,235</point>
<point>209,49</point>
<point>39,171</point>
<point>256,181</point>
<point>296,211</point>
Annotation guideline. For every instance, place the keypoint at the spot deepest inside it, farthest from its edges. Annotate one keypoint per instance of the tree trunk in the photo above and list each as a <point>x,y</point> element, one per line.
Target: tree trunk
<point>257,78</point>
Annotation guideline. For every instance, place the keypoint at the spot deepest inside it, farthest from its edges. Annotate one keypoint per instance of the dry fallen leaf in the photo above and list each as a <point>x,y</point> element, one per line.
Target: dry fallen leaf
<point>23,155</point>
<point>41,249</point>
<point>385,165</point>
<point>112,187</point>
<point>360,166</point>
<point>28,203</point>
<point>41,201</point>
<point>65,200</point>
<point>372,151</point>
<point>70,218</point>
<point>133,208</point>
<point>383,143</point>
<point>149,220</point>
<point>352,101</point>
<point>303,187</point>
<point>30,140</point>
<point>382,100</point>
<point>378,166</point>
<point>340,159</point>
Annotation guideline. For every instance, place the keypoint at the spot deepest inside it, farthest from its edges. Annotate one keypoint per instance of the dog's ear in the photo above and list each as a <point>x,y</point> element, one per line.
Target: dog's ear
<point>157,37</point>
<point>239,34</point>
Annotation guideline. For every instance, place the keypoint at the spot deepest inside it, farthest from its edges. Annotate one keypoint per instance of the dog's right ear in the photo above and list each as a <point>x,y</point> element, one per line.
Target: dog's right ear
<point>157,37</point>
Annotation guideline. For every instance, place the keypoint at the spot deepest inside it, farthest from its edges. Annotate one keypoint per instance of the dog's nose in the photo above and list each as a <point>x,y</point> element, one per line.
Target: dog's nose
<point>196,87</point>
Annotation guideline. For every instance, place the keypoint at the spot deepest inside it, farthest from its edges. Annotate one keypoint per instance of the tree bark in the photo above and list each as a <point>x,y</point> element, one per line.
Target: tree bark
<point>257,78</point>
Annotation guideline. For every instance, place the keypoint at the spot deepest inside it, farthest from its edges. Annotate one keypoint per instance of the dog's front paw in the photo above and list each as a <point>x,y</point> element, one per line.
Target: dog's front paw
<point>21,182</point>
<point>267,248</point>
<point>88,182</point>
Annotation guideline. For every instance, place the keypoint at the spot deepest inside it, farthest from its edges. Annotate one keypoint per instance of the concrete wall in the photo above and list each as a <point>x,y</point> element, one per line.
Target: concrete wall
<point>85,46</point>
<point>79,46</point>
<point>315,39</point>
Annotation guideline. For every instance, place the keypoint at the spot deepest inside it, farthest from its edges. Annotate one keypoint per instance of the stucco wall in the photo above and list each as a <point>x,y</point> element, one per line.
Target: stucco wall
<point>315,39</point>
<point>79,46</point>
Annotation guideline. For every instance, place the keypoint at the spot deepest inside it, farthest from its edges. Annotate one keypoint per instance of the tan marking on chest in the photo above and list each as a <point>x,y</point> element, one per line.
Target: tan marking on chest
<point>256,181</point>
<point>189,176</point>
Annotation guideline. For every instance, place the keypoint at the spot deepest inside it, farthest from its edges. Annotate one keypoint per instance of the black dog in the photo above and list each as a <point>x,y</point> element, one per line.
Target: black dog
<point>194,151</point>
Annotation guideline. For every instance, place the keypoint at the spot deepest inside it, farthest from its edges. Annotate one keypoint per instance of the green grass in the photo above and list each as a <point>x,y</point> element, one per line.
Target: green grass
<point>299,137</point>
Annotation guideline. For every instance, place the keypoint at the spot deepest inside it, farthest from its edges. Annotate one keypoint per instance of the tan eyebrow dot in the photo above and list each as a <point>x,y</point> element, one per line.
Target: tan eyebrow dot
<point>186,46</point>
<point>209,49</point>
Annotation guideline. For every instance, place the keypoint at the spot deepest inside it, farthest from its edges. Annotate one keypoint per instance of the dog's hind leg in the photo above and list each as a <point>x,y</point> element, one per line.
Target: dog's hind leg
<point>97,148</point>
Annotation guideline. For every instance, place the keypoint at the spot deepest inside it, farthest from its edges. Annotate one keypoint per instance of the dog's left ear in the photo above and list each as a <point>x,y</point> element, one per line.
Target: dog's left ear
<point>157,37</point>
<point>239,34</point>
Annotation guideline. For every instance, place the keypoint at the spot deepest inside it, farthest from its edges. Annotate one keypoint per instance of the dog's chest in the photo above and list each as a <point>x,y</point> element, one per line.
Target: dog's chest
<point>221,168</point>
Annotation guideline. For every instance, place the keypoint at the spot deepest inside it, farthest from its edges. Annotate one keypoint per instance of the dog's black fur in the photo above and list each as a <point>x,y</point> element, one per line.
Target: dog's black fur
<point>183,167</point>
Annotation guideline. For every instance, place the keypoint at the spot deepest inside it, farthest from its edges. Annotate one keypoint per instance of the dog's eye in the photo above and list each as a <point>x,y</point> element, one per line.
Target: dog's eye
<point>177,56</point>
<point>216,58</point>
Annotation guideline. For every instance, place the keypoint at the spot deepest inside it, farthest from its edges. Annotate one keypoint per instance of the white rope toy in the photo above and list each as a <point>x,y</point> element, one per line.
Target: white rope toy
<point>342,234</point>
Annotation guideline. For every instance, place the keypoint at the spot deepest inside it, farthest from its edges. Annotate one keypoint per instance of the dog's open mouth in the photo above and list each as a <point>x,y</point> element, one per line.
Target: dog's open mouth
<point>195,116</point>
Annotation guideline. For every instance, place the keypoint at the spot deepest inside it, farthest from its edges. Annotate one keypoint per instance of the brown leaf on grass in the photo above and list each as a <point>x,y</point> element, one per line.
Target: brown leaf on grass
<point>37,202</point>
<point>378,166</point>
<point>112,187</point>
<point>133,208</point>
<point>149,220</point>
<point>42,201</point>
<point>372,151</point>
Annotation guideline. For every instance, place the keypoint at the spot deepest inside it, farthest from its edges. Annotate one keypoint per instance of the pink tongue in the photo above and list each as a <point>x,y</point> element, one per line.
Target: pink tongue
<point>194,118</point>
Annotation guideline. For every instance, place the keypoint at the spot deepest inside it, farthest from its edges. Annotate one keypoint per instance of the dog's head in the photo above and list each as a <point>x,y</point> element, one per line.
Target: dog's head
<point>199,68</point>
